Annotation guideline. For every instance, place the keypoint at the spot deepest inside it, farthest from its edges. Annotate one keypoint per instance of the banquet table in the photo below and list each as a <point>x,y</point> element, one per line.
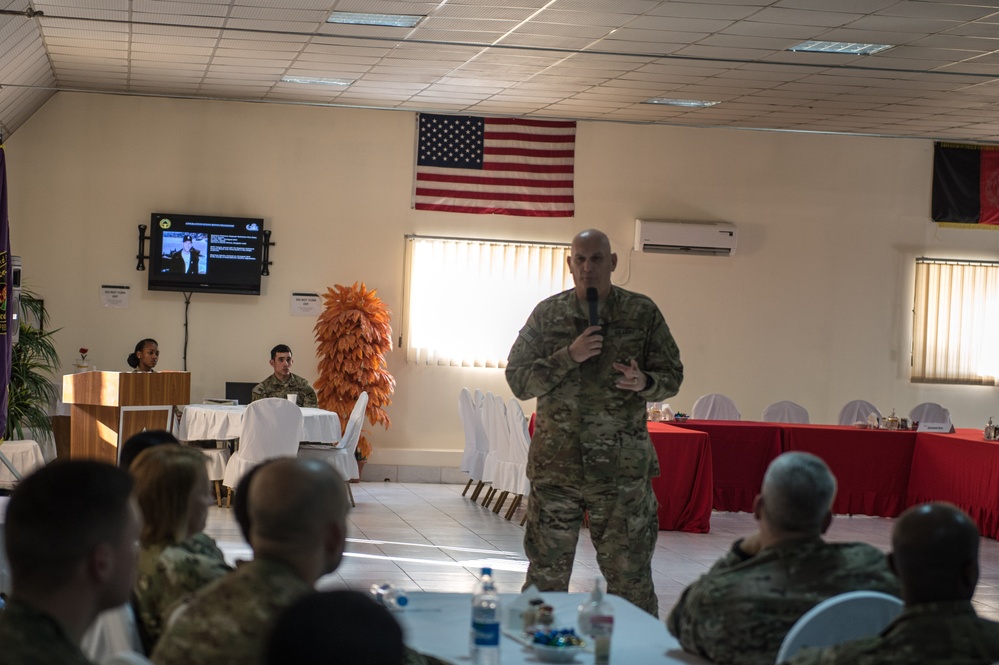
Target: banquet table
<point>684,485</point>
<point>871,465</point>
<point>962,468</point>
<point>741,451</point>
<point>26,456</point>
<point>221,422</point>
<point>438,624</point>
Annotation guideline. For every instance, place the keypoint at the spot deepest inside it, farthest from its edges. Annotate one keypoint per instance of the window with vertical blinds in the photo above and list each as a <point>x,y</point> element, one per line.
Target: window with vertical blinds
<point>466,300</point>
<point>955,325</point>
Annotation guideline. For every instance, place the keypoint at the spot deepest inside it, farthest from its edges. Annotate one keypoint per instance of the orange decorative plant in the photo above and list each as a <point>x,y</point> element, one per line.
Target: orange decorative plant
<point>353,336</point>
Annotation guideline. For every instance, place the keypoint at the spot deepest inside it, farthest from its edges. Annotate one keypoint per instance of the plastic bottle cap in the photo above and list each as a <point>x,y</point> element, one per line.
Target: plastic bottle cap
<point>401,601</point>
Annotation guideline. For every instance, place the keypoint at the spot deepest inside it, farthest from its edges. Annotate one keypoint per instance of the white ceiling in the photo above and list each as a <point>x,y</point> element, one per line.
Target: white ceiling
<point>583,59</point>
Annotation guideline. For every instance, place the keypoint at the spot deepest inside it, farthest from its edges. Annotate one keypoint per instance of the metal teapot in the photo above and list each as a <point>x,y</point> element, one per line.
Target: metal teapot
<point>991,431</point>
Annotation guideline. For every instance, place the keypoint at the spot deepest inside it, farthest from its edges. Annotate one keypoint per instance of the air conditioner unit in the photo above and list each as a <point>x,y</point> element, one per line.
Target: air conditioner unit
<point>676,237</point>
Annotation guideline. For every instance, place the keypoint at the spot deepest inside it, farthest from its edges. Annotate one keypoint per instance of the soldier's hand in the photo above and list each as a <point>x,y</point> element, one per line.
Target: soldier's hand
<point>632,378</point>
<point>587,345</point>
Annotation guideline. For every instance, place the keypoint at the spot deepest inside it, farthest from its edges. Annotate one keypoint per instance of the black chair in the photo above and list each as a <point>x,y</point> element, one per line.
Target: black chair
<point>240,391</point>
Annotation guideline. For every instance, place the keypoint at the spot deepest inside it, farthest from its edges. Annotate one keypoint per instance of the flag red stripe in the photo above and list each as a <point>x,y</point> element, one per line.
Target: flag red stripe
<point>527,122</point>
<point>494,210</point>
<point>988,187</point>
<point>529,152</point>
<point>512,182</point>
<point>529,138</point>
<point>495,196</point>
<point>527,168</point>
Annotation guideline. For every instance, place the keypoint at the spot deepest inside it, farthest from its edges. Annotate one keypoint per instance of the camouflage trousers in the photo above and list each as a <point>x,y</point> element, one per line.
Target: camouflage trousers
<point>623,526</point>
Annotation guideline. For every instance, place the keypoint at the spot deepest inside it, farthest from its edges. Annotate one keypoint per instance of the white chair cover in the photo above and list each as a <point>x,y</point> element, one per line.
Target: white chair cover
<point>216,460</point>
<point>715,406</point>
<point>511,472</point>
<point>857,412</point>
<point>114,631</point>
<point>498,432</point>
<point>343,459</point>
<point>467,414</point>
<point>272,427</point>
<point>785,412</point>
<point>126,658</point>
<point>848,616</point>
<point>929,412</point>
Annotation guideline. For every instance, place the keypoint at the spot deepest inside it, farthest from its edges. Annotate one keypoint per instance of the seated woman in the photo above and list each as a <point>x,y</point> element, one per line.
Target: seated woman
<point>171,486</point>
<point>145,356</point>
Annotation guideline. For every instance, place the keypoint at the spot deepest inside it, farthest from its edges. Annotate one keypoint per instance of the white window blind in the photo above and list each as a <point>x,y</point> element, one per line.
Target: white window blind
<point>467,299</point>
<point>955,329</point>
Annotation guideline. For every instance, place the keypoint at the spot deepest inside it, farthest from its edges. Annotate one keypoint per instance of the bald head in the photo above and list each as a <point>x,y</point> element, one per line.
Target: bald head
<point>592,236</point>
<point>298,507</point>
<point>935,553</point>
<point>591,263</point>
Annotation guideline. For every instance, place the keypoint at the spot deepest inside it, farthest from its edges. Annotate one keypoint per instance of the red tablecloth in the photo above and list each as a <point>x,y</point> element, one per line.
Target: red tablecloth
<point>741,451</point>
<point>684,485</point>
<point>871,466</point>
<point>962,468</point>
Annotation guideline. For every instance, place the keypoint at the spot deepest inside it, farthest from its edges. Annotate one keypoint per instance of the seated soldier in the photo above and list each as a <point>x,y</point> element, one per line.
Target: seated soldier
<point>72,533</point>
<point>935,554</point>
<point>298,529</point>
<point>283,383</point>
<point>740,610</point>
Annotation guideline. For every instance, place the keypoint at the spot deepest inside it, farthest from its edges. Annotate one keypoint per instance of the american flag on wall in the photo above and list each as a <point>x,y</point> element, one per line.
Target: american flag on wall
<point>501,166</point>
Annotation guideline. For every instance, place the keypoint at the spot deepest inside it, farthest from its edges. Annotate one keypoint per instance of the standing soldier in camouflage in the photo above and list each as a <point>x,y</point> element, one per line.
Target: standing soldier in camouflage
<point>935,553</point>
<point>591,450</point>
<point>739,611</point>
<point>283,383</point>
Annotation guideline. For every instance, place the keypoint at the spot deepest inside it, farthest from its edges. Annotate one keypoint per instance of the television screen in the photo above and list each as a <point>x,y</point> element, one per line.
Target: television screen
<point>205,253</point>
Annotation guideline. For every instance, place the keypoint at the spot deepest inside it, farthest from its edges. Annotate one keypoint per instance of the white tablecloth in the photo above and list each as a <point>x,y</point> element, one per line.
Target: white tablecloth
<point>438,624</point>
<point>26,457</point>
<point>221,422</point>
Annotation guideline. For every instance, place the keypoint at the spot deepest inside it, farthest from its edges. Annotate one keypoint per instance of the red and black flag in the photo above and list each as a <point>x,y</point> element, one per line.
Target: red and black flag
<point>965,183</point>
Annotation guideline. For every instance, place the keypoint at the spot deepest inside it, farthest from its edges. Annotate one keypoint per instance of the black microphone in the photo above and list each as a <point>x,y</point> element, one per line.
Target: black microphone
<point>591,300</point>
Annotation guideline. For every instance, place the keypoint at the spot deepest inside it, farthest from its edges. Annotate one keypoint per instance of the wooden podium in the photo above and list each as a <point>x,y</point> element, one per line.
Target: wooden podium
<point>109,407</point>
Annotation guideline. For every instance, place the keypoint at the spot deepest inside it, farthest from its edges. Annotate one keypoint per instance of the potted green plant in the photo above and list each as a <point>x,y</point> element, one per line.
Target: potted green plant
<point>34,360</point>
<point>353,336</point>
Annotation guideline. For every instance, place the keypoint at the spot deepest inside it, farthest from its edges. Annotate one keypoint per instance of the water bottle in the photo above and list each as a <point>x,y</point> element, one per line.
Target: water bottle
<point>601,617</point>
<point>485,621</point>
<point>390,596</point>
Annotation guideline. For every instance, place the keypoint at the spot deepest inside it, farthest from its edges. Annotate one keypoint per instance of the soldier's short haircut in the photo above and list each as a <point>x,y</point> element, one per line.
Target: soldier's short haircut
<point>57,515</point>
<point>798,491</point>
<point>280,348</point>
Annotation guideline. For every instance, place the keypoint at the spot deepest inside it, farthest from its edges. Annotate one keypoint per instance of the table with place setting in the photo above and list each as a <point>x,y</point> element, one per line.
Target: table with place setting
<point>438,624</point>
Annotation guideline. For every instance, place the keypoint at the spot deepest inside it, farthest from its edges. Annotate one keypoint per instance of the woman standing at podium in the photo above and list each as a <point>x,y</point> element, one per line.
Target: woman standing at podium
<point>145,356</point>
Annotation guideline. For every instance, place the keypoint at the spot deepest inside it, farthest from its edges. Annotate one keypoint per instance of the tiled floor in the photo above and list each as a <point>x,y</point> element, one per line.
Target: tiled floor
<point>428,537</point>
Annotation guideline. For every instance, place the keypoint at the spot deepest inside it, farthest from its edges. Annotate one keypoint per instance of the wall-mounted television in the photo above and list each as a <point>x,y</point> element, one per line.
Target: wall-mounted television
<point>205,253</point>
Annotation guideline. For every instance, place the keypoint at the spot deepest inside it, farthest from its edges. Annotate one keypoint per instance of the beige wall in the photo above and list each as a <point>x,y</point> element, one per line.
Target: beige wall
<point>815,306</point>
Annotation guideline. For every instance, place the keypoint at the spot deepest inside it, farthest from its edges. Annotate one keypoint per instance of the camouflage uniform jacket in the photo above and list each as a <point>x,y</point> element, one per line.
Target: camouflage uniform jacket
<point>228,621</point>
<point>31,637</point>
<point>739,611</point>
<point>927,633</point>
<point>168,574</point>
<point>271,387</point>
<point>586,427</point>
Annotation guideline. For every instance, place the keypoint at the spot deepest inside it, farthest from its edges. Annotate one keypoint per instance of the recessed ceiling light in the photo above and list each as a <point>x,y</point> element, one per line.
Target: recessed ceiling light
<point>686,103</point>
<point>840,47</point>
<point>360,18</point>
<point>316,81</point>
